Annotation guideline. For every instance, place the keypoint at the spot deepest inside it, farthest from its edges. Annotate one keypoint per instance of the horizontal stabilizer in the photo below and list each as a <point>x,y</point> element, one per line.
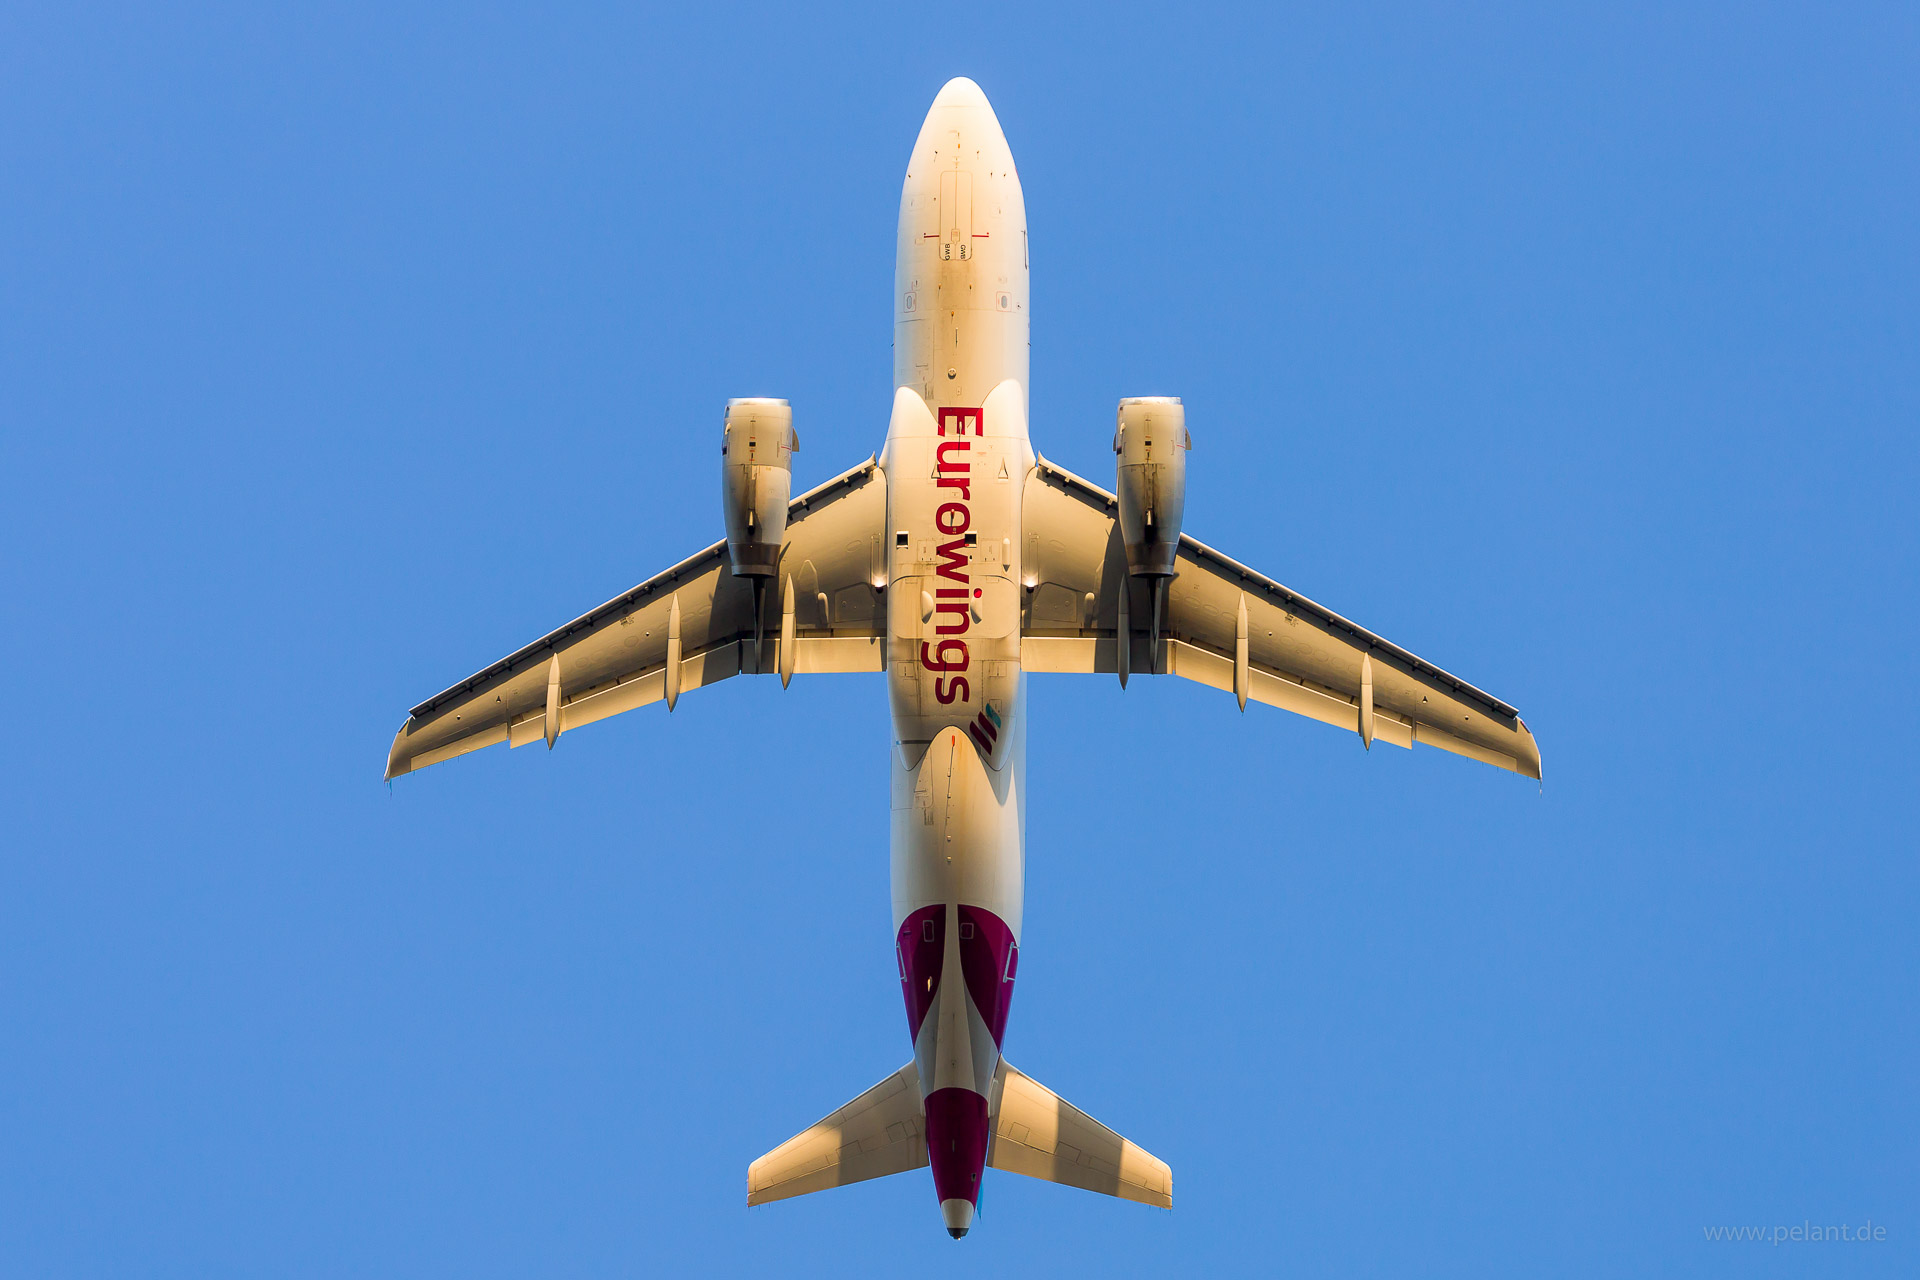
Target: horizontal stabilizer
<point>880,1132</point>
<point>1040,1134</point>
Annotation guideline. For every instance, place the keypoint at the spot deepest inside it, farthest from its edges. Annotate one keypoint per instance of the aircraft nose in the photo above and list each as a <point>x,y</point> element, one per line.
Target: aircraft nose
<point>960,92</point>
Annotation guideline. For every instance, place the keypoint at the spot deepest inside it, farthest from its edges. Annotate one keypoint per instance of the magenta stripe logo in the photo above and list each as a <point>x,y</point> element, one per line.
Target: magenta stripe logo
<point>985,729</point>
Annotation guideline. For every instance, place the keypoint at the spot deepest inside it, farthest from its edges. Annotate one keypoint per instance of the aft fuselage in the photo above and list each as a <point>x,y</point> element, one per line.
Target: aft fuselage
<point>956,458</point>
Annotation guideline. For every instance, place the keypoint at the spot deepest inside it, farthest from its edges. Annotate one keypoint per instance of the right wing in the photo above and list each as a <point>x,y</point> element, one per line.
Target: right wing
<point>1234,629</point>
<point>615,658</point>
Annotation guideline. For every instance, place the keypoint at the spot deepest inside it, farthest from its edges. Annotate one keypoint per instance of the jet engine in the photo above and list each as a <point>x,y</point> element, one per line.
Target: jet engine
<point>756,480</point>
<point>1151,444</point>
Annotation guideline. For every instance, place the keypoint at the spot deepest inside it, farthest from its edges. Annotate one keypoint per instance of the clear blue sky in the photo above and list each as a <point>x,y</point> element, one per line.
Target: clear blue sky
<point>343,350</point>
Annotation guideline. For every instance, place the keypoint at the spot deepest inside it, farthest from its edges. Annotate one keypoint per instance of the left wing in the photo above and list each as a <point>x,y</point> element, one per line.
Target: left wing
<point>691,626</point>
<point>1227,626</point>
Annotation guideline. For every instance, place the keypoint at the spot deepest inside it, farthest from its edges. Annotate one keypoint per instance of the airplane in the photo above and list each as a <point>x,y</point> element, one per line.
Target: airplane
<point>957,562</point>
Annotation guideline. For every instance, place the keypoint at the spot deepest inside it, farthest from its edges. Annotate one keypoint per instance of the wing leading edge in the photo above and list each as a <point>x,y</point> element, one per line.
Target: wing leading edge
<point>1235,629</point>
<point>696,614</point>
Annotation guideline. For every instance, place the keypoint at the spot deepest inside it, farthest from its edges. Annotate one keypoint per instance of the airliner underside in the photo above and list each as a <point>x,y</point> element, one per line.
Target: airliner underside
<point>956,562</point>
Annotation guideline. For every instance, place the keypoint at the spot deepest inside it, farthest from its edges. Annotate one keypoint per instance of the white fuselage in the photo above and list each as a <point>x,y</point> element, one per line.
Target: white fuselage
<point>956,458</point>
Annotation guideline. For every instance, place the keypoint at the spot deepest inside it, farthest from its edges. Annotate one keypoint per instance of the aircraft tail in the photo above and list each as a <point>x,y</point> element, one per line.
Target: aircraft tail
<point>1038,1133</point>
<point>880,1132</point>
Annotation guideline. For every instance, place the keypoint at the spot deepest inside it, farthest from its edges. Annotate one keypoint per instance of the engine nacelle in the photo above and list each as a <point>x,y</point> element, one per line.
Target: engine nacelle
<point>1151,442</point>
<point>756,480</point>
